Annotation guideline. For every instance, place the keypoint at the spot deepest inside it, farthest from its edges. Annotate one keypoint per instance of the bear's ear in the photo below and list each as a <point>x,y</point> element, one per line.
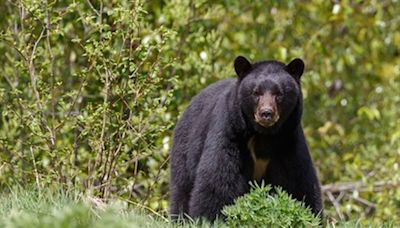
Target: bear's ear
<point>295,68</point>
<point>242,66</point>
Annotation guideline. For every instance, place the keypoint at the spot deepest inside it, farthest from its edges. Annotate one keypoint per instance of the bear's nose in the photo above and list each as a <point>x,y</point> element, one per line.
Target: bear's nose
<point>266,114</point>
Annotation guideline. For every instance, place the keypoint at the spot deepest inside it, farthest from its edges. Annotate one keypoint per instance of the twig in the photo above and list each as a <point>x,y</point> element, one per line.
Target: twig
<point>148,208</point>
<point>348,188</point>
<point>104,123</point>
<point>156,179</point>
<point>32,73</point>
<point>371,206</point>
<point>335,204</point>
<point>92,7</point>
<point>53,92</point>
<point>359,186</point>
<point>115,156</point>
<point>35,168</point>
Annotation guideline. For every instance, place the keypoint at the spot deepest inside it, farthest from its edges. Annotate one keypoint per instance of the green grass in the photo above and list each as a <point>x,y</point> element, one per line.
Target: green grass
<point>60,209</point>
<point>47,208</point>
<point>21,208</point>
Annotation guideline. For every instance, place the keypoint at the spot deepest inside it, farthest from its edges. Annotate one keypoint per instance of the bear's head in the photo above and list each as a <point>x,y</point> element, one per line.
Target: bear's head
<point>269,92</point>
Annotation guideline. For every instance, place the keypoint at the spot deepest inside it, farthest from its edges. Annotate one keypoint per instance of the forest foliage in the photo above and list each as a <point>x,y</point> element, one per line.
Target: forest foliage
<point>90,91</point>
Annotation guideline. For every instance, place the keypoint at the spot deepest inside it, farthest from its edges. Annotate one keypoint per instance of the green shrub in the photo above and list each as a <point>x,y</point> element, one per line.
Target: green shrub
<point>260,208</point>
<point>83,97</point>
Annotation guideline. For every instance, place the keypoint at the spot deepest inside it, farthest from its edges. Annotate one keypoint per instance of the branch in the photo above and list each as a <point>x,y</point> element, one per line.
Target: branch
<point>335,203</point>
<point>346,189</point>
<point>32,69</point>
<point>359,186</point>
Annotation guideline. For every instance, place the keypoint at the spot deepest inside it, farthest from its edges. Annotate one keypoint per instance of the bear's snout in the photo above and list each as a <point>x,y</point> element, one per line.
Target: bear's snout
<point>266,113</point>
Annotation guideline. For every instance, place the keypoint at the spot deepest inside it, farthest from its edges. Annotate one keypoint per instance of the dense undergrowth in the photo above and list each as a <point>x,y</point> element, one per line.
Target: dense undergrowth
<point>47,208</point>
<point>91,90</point>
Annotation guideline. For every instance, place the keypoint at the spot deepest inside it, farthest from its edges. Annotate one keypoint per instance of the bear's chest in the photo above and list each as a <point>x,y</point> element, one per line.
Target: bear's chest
<point>257,149</point>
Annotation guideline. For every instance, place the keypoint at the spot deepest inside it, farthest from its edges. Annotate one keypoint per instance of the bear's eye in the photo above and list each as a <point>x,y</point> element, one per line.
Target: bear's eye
<point>256,93</point>
<point>279,97</point>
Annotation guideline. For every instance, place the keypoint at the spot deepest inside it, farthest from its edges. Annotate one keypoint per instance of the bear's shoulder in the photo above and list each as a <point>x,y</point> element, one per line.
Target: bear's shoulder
<point>208,97</point>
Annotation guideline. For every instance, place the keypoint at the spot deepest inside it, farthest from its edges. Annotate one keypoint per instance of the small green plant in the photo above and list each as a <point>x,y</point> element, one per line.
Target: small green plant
<point>260,208</point>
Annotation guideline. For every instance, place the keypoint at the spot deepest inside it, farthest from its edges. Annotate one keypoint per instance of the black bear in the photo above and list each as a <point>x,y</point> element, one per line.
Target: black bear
<point>241,130</point>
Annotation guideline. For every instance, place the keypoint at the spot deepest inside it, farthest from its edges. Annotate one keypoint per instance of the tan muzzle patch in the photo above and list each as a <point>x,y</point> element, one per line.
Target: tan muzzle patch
<point>266,113</point>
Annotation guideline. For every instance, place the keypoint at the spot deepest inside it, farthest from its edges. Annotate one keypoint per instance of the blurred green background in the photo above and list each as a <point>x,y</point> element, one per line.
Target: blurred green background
<point>90,91</point>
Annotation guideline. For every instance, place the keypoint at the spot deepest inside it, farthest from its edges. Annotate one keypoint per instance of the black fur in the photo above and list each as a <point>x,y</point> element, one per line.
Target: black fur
<point>210,161</point>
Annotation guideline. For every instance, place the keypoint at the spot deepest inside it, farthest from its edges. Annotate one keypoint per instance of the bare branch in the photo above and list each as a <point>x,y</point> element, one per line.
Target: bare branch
<point>347,189</point>
<point>92,7</point>
<point>359,186</point>
<point>32,72</point>
<point>335,204</point>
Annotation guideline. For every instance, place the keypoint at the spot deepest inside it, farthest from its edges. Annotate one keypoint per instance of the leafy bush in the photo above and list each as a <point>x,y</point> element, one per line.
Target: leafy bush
<point>260,208</point>
<point>83,98</point>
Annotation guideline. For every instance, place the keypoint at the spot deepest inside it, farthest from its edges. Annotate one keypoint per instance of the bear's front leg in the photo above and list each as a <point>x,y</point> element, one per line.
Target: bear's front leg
<point>219,181</point>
